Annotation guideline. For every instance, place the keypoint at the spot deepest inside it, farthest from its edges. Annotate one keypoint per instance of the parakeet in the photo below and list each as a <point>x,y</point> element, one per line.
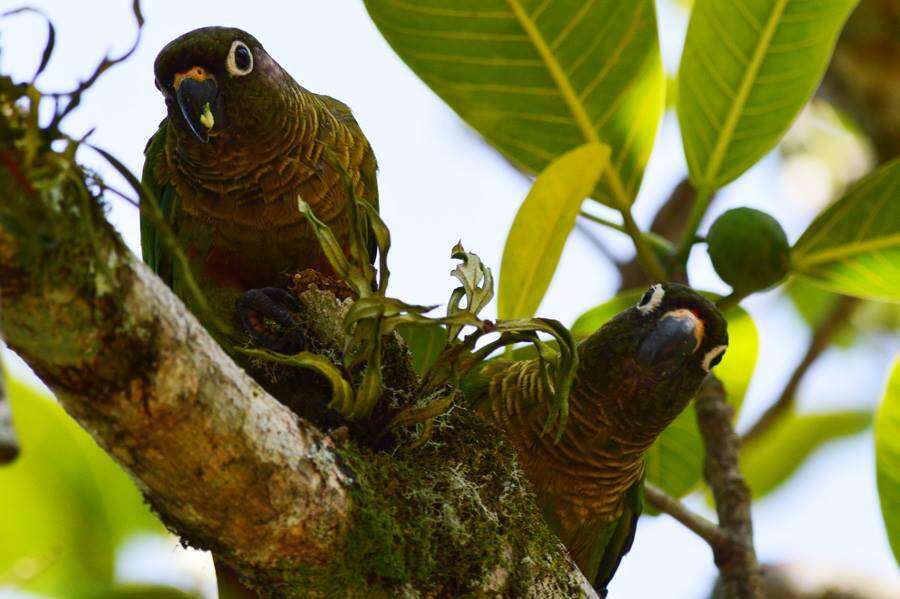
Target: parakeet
<point>241,142</point>
<point>635,375</point>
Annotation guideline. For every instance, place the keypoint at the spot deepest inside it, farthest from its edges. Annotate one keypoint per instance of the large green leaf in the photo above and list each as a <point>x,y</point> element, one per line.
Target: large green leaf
<point>543,223</point>
<point>770,460</point>
<point>747,69</point>
<point>887,457</point>
<point>853,247</point>
<point>538,78</point>
<point>675,461</point>
<point>64,506</point>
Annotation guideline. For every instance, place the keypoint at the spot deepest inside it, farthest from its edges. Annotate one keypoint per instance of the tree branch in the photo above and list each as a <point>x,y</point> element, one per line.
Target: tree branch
<point>821,339</point>
<point>736,557</point>
<point>221,461</point>
<point>703,528</point>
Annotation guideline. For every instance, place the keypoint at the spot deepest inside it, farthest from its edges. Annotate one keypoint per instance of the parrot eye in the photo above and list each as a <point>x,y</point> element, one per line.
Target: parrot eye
<point>713,357</point>
<point>240,60</point>
<point>651,299</point>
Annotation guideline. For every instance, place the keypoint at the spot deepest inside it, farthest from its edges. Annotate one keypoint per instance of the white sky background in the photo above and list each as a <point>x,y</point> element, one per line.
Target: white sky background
<point>440,183</point>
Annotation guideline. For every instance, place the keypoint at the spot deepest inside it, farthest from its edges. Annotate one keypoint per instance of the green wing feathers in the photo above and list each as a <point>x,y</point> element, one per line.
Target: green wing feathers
<point>152,249</point>
<point>622,538</point>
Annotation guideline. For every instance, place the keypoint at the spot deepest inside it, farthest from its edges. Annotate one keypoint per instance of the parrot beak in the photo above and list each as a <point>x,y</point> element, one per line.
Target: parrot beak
<point>198,98</point>
<point>677,335</point>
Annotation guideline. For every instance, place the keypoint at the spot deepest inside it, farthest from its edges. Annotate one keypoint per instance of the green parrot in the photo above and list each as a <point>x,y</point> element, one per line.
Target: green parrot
<point>635,375</point>
<point>240,143</point>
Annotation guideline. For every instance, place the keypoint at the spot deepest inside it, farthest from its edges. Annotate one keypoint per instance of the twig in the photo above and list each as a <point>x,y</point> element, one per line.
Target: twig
<point>736,557</point>
<point>704,528</point>
<point>821,339</point>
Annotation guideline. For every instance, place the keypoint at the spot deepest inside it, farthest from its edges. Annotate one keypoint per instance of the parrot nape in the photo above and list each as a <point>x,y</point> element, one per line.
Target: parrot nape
<point>635,375</point>
<point>240,143</point>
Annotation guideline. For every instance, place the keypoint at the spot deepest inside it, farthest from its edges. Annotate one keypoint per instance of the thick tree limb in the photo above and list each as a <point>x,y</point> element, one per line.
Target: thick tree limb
<point>220,460</point>
<point>736,558</point>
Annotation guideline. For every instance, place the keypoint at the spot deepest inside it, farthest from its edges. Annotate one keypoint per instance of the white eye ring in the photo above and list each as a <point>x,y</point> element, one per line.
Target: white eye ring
<point>712,355</point>
<point>651,300</point>
<point>231,62</point>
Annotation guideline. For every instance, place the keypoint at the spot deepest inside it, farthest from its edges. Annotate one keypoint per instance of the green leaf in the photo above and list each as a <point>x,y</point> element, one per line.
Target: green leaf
<point>65,505</point>
<point>425,343</point>
<point>543,223</point>
<point>747,69</point>
<point>853,247</point>
<point>675,461</point>
<point>770,460</point>
<point>540,78</point>
<point>887,457</point>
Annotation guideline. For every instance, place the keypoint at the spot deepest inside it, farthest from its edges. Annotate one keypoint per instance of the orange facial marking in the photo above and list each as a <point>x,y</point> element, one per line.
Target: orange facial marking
<point>195,73</point>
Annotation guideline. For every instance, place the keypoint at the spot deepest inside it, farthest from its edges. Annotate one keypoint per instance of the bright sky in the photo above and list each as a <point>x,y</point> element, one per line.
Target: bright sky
<point>440,183</point>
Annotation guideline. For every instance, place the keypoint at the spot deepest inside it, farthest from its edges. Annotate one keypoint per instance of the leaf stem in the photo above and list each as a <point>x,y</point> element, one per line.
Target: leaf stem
<point>648,259</point>
<point>698,211</point>
<point>654,240</point>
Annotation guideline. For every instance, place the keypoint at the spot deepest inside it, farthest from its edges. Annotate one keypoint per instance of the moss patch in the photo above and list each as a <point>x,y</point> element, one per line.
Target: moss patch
<point>452,518</point>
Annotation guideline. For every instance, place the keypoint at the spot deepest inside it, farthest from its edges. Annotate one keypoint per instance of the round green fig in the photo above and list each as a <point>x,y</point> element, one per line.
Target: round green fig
<point>749,250</point>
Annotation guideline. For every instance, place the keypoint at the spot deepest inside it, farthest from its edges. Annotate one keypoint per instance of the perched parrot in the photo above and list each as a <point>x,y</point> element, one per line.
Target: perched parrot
<point>240,143</point>
<point>635,375</point>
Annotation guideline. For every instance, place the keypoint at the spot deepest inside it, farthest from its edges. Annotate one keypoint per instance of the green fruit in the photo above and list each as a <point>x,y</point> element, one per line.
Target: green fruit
<point>749,250</point>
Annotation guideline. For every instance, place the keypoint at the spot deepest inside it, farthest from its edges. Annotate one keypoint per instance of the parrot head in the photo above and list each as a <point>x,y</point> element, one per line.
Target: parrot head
<point>219,81</point>
<point>657,352</point>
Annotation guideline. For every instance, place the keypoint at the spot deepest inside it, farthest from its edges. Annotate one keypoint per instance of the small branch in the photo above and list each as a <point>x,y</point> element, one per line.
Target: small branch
<point>736,557</point>
<point>693,521</point>
<point>820,341</point>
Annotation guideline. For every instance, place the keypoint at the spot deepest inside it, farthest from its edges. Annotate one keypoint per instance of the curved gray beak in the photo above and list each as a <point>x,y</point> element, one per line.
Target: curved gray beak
<point>199,101</point>
<point>677,335</point>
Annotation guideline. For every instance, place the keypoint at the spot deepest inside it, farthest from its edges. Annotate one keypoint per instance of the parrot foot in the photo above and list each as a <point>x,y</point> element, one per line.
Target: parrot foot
<point>266,315</point>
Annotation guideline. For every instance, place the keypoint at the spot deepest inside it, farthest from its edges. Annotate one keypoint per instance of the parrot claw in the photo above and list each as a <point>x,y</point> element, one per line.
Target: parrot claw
<point>258,309</point>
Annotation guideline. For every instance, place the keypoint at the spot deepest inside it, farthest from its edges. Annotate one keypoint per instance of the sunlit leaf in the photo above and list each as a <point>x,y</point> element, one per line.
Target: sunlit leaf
<point>542,225</point>
<point>853,247</point>
<point>770,460</point>
<point>539,78</point>
<point>64,506</point>
<point>887,457</point>
<point>747,69</point>
<point>675,461</point>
